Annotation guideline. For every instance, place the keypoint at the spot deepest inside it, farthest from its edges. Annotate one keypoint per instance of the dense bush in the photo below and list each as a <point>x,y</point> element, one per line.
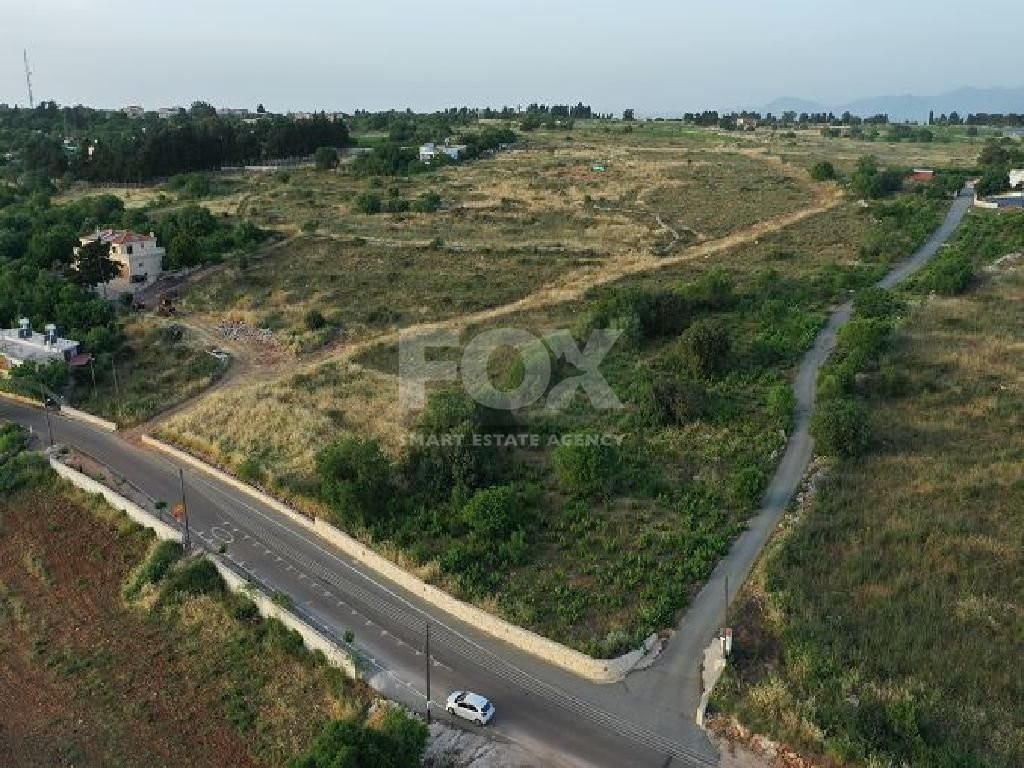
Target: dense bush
<point>325,158</point>
<point>586,470</point>
<point>840,427</point>
<point>823,171</point>
<point>368,203</point>
<point>706,347</point>
<point>395,740</point>
<point>870,182</point>
<point>949,274</point>
<point>355,479</point>
<point>158,562</point>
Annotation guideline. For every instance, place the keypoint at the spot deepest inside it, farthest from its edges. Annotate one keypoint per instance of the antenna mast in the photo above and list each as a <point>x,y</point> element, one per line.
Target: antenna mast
<point>28,80</point>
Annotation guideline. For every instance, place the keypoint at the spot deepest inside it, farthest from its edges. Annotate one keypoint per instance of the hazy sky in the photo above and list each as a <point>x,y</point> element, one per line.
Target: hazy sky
<point>659,56</point>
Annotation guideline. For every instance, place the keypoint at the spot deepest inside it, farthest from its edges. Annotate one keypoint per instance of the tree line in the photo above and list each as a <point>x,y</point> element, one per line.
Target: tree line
<point>100,146</point>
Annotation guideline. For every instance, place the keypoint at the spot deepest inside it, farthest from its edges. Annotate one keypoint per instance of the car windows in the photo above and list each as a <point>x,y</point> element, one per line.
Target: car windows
<point>470,707</point>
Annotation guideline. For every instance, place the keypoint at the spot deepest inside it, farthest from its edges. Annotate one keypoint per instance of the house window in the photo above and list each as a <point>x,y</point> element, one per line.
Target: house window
<point>129,250</point>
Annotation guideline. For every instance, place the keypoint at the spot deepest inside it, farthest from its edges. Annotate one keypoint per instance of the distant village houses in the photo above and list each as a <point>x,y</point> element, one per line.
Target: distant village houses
<point>429,151</point>
<point>139,257</point>
<point>1017,178</point>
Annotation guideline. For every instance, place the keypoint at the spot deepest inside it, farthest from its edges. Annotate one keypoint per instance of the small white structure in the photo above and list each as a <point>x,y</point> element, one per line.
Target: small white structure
<point>22,345</point>
<point>430,150</point>
<point>140,258</point>
<point>1016,177</point>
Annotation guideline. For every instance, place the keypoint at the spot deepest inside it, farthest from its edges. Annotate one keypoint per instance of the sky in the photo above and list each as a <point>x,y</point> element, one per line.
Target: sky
<point>660,57</point>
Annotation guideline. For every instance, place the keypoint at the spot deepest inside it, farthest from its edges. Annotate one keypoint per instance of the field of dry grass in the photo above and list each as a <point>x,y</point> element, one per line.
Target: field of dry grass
<point>884,628</point>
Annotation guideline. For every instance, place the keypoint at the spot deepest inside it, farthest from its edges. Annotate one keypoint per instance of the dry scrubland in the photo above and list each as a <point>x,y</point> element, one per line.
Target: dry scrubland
<point>602,572</point>
<point>885,626</point>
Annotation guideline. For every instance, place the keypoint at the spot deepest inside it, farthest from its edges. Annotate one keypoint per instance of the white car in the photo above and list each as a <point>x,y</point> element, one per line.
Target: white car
<point>470,706</point>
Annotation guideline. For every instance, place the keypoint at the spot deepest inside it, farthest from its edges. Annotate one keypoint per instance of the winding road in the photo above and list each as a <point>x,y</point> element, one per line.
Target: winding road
<point>645,720</point>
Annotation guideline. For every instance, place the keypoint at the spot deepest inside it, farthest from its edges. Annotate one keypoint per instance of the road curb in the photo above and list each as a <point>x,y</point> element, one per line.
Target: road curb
<point>568,659</point>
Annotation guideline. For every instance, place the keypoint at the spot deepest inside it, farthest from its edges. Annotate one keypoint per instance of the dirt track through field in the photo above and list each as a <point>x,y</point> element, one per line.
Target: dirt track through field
<point>573,286</point>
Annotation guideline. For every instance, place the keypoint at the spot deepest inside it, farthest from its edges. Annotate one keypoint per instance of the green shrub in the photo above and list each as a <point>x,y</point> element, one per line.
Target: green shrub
<point>586,470</point>
<point>326,158</point>
<point>395,740</point>
<point>840,427</point>
<point>355,479</point>
<point>877,302</point>
<point>368,203</point>
<point>428,202</point>
<point>314,320</point>
<point>707,345</point>
<point>250,470</point>
<point>196,577</point>
<point>950,274</point>
<point>823,171</point>
<point>158,562</point>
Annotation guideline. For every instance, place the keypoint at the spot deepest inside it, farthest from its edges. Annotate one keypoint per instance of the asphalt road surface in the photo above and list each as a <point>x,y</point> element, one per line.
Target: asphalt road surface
<point>645,720</point>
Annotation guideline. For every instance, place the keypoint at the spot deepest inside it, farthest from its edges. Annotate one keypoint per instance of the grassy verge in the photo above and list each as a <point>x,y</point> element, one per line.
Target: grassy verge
<point>884,628</point>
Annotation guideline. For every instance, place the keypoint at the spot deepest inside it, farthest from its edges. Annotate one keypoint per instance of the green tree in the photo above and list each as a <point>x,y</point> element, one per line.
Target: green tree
<point>707,345</point>
<point>326,158</point>
<point>840,427</point>
<point>54,245</point>
<point>93,265</point>
<point>491,512</point>
<point>823,171</point>
<point>355,479</point>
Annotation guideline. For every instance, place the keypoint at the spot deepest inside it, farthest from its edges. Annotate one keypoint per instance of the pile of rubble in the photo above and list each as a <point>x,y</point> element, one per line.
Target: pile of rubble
<point>238,331</point>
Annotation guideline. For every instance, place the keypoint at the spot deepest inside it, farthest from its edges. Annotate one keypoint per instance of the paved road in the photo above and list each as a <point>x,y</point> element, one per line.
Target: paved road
<point>646,720</point>
<point>674,683</point>
<point>548,711</point>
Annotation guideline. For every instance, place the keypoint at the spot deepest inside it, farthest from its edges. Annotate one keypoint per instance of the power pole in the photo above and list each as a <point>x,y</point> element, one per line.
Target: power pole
<point>117,393</point>
<point>28,80</point>
<point>186,540</point>
<point>426,652</point>
<point>46,412</point>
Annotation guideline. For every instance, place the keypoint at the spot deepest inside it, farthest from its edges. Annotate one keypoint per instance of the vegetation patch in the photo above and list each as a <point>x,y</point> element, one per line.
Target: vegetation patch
<point>879,630</point>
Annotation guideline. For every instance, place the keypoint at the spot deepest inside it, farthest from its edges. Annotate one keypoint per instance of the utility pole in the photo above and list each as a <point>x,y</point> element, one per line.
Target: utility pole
<point>186,540</point>
<point>426,653</point>
<point>28,80</point>
<point>46,412</point>
<point>117,393</point>
<point>92,370</point>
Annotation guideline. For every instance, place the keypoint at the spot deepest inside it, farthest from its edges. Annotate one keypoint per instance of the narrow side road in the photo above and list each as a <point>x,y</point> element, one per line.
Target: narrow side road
<point>673,683</point>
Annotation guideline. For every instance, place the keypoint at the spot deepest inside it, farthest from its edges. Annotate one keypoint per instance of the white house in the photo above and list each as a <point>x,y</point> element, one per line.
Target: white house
<point>21,345</point>
<point>140,258</point>
<point>1016,177</point>
<point>430,150</point>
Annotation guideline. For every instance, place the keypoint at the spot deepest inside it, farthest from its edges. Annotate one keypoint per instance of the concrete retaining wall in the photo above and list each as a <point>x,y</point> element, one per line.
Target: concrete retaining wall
<point>313,638</point>
<point>19,399</point>
<point>595,670</point>
<point>88,418</point>
<point>139,515</point>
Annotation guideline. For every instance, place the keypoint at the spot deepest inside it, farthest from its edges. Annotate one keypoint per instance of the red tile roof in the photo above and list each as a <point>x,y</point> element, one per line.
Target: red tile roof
<point>123,236</point>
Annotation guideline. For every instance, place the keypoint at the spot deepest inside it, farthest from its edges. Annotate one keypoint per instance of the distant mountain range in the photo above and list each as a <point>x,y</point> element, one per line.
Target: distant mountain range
<point>913,107</point>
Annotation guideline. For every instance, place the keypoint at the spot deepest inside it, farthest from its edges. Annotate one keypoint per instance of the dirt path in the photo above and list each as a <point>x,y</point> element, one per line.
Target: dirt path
<point>574,285</point>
